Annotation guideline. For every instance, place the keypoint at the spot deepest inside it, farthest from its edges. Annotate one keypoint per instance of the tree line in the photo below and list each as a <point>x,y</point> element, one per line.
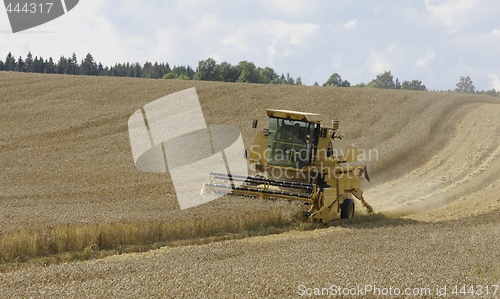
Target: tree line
<point>386,81</point>
<point>207,70</point>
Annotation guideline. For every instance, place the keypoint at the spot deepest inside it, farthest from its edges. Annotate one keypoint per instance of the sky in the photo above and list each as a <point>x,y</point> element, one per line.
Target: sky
<point>434,41</point>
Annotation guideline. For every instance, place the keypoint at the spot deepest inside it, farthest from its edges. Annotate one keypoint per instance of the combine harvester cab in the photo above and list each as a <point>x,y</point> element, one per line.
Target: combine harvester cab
<point>296,158</point>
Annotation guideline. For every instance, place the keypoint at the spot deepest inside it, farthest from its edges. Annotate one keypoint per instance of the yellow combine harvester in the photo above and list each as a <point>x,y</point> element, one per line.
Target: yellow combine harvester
<point>296,158</point>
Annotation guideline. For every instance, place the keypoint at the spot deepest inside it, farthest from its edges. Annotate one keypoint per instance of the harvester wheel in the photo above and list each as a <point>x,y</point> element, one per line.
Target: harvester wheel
<point>347,209</point>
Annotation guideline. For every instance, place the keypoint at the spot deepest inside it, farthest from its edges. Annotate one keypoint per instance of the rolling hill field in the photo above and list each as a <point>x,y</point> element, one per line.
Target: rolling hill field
<point>65,160</point>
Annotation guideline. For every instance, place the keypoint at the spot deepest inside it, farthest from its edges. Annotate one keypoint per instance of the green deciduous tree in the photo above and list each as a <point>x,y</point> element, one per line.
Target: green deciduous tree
<point>228,72</point>
<point>492,92</point>
<point>413,85</point>
<point>465,85</point>
<point>207,70</point>
<point>336,81</point>
<point>183,77</point>
<point>267,75</point>
<point>170,76</point>
<point>385,81</point>
<point>249,73</point>
<point>286,80</point>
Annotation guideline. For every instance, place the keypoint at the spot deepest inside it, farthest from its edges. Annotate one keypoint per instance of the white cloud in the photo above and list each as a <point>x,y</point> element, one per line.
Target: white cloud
<point>188,45</point>
<point>209,22</point>
<point>385,60</point>
<point>451,13</point>
<point>257,41</point>
<point>139,8</point>
<point>271,52</point>
<point>167,43</point>
<point>378,63</point>
<point>293,33</point>
<point>351,24</point>
<point>287,34</point>
<point>237,41</point>
<point>191,5</point>
<point>495,81</point>
<point>288,52</point>
<point>395,48</point>
<point>429,55</point>
<point>290,7</point>
<point>337,62</point>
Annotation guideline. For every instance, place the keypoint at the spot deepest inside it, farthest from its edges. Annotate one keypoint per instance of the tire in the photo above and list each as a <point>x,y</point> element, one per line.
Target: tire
<point>347,209</point>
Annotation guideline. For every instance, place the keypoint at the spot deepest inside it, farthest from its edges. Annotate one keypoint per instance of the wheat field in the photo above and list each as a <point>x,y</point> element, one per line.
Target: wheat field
<point>66,163</point>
